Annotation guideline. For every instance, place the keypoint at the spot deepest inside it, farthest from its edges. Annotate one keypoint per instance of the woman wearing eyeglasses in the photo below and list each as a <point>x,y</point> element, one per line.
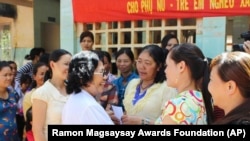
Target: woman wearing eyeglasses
<point>8,105</point>
<point>85,81</point>
<point>145,96</point>
<point>109,95</point>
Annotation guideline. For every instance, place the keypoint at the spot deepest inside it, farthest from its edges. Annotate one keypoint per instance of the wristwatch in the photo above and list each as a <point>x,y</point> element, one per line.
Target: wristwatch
<point>145,121</point>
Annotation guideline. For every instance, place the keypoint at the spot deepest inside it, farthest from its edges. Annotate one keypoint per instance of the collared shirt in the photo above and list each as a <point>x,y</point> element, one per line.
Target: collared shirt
<point>151,105</point>
<point>121,87</point>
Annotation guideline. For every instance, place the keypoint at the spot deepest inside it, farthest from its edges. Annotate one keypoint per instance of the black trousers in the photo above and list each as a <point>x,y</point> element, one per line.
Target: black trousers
<point>20,125</point>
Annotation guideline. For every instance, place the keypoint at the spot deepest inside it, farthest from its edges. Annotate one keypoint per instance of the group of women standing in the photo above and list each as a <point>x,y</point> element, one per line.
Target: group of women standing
<point>171,84</point>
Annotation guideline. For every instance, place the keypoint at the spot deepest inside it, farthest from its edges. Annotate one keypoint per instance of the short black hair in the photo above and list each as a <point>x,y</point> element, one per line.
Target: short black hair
<point>126,51</point>
<point>35,52</point>
<point>100,54</point>
<point>45,58</point>
<point>11,62</point>
<point>105,53</point>
<point>25,78</point>
<point>86,34</point>
<point>166,38</point>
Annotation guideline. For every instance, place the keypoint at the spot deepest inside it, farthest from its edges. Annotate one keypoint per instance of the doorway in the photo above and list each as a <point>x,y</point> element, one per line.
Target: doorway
<point>50,36</point>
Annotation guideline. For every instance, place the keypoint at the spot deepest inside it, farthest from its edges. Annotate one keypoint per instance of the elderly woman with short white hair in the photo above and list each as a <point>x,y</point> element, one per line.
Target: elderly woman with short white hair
<point>85,81</point>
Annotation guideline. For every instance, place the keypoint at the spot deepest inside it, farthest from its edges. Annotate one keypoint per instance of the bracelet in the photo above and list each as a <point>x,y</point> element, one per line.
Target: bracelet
<point>145,121</point>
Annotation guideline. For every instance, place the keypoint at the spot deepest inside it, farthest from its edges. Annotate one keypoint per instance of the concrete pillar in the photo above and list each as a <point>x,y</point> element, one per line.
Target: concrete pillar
<point>211,35</point>
<point>67,32</point>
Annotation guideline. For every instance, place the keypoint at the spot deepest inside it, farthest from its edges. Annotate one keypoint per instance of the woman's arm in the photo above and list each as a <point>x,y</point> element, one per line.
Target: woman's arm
<point>39,109</point>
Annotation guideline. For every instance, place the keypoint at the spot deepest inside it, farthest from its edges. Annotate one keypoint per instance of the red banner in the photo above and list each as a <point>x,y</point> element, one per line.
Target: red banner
<point>88,11</point>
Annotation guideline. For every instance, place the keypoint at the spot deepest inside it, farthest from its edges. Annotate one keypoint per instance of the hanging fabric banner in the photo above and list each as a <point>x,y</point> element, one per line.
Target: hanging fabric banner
<point>88,11</point>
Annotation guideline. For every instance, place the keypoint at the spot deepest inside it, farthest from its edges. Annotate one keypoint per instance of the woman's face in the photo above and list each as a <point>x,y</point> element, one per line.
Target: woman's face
<point>40,74</point>
<point>61,67</point>
<point>146,66</point>
<point>217,87</point>
<point>124,63</point>
<point>25,86</point>
<point>5,77</point>
<point>14,69</point>
<point>87,43</point>
<point>106,64</point>
<point>99,79</point>
<point>171,43</point>
<point>171,72</point>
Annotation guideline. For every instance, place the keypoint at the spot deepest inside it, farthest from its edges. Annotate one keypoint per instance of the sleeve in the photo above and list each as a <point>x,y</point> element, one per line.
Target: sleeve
<point>178,110</point>
<point>26,102</point>
<point>40,94</point>
<point>26,68</point>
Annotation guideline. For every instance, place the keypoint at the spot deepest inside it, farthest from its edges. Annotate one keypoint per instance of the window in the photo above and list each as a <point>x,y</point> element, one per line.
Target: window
<point>5,42</point>
<point>111,36</point>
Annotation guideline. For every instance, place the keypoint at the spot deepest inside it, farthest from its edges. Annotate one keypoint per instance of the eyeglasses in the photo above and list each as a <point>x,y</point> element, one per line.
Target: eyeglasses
<point>103,73</point>
<point>7,75</point>
<point>144,63</point>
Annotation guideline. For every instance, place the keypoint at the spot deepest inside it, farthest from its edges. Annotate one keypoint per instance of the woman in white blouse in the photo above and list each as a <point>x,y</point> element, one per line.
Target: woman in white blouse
<point>86,80</point>
<point>49,99</point>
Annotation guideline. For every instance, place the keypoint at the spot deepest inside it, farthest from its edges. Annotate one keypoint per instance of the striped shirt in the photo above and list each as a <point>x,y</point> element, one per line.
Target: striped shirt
<point>25,69</point>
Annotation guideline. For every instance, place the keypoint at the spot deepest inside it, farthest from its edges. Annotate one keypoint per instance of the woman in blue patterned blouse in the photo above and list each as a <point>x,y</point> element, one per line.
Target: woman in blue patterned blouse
<point>8,105</point>
<point>124,62</point>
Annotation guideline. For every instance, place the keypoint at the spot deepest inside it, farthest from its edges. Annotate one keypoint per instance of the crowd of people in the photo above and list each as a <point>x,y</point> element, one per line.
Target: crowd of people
<point>169,84</point>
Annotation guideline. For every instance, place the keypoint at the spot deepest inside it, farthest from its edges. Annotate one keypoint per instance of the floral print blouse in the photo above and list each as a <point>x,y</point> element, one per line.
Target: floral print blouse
<point>8,126</point>
<point>187,108</point>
